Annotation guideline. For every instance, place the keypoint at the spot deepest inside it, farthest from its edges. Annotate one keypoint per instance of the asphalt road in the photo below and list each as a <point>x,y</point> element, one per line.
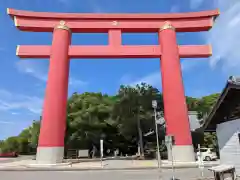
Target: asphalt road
<point>186,174</point>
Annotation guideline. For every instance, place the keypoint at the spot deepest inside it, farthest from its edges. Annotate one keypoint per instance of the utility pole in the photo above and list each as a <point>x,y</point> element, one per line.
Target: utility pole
<point>140,135</point>
<point>154,105</point>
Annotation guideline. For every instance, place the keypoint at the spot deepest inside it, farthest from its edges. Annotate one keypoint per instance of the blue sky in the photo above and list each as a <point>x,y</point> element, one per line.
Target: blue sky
<point>23,82</point>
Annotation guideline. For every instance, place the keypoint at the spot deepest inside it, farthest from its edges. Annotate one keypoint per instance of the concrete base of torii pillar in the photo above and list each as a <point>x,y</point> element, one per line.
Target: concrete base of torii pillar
<point>183,153</point>
<point>50,155</point>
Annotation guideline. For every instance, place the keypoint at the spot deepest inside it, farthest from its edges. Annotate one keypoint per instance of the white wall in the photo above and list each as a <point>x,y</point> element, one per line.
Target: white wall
<point>229,145</point>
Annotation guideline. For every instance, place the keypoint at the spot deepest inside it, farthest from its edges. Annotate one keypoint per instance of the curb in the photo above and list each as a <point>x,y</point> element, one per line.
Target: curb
<point>72,169</point>
<point>93,169</point>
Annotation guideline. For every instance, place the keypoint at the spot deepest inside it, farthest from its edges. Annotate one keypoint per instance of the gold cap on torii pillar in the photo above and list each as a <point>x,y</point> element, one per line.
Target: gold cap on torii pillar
<point>167,25</point>
<point>62,25</point>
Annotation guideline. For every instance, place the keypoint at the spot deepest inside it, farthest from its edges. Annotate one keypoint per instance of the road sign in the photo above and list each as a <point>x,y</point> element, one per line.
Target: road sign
<point>101,147</point>
<point>160,121</point>
<point>169,140</point>
<point>154,104</point>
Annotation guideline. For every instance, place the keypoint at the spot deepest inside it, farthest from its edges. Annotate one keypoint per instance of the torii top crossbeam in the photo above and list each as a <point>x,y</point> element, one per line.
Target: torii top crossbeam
<point>114,25</point>
<point>45,21</point>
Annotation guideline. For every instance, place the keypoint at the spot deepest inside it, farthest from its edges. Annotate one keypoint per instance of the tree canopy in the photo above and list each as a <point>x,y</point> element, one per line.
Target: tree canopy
<point>118,119</point>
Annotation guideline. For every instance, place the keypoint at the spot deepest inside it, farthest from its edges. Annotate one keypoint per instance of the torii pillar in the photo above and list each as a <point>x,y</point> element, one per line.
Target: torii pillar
<point>53,125</point>
<point>175,107</point>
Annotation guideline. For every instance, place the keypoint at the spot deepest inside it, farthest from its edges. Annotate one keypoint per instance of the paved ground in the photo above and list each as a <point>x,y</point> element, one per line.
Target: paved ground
<point>182,174</point>
<point>108,164</point>
<point>146,163</point>
<point>20,158</point>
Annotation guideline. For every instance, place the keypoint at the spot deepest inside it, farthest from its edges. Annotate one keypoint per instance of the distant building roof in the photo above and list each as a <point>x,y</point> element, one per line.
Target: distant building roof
<point>227,106</point>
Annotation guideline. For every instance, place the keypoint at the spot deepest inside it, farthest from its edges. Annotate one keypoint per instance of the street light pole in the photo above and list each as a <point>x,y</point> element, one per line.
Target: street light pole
<point>154,105</point>
<point>140,137</point>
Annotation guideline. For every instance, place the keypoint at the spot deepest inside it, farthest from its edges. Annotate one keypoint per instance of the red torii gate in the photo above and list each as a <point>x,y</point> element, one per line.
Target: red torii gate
<point>51,139</point>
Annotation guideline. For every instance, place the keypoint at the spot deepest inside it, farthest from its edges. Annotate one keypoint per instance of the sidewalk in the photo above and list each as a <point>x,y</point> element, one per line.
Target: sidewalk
<point>31,165</point>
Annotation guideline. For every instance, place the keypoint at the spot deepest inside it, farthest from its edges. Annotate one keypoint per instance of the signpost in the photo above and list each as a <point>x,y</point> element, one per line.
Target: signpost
<point>101,151</point>
<point>200,160</point>
<point>170,142</point>
<point>154,105</point>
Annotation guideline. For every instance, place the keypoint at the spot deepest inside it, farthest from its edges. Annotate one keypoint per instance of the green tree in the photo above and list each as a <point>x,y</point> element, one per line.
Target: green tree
<point>23,145</point>
<point>29,137</point>
<point>133,110</point>
<point>205,104</point>
<point>192,103</point>
<point>88,114</point>
<point>34,130</point>
<point>120,120</point>
<point>11,144</point>
<point>210,140</point>
<point>1,145</point>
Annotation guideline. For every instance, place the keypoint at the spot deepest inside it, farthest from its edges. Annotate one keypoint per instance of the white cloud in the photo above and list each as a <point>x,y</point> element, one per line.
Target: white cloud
<point>95,6</point>
<point>7,122</point>
<point>64,1</point>
<point>175,9</point>
<point>13,101</point>
<point>40,71</point>
<point>225,36</point>
<point>189,64</point>
<point>33,68</point>
<point>194,4</point>
<point>154,78</point>
<point>76,82</point>
<point>126,78</point>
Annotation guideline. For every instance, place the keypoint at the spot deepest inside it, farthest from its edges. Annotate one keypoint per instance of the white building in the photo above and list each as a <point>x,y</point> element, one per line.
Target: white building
<point>225,120</point>
<point>193,120</point>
